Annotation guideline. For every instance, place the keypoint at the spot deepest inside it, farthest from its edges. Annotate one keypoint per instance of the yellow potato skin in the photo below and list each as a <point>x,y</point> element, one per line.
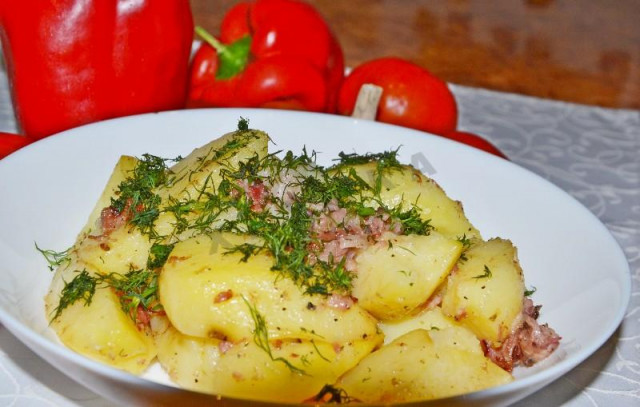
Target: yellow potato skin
<point>489,305</point>
<point>418,366</point>
<point>199,273</point>
<point>246,371</point>
<point>397,276</point>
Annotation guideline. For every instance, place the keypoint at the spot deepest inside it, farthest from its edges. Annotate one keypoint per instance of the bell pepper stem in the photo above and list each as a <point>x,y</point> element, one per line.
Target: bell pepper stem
<point>211,40</point>
<point>366,106</point>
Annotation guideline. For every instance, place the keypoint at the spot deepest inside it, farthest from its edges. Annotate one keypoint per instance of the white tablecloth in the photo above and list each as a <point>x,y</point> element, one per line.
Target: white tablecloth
<point>592,153</point>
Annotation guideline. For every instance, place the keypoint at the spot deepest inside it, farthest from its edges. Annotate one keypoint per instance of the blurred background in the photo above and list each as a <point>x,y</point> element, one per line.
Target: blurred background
<point>583,51</point>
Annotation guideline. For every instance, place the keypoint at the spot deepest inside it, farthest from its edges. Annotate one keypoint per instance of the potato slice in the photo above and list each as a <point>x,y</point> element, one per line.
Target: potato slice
<point>432,320</point>
<point>207,292</point>
<point>486,292</point>
<point>100,330</point>
<point>121,251</point>
<point>200,171</point>
<point>122,171</point>
<point>297,370</point>
<point>204,164</point>
<point>394,278</point>
<point>407,186</point>
<point>419,366</point>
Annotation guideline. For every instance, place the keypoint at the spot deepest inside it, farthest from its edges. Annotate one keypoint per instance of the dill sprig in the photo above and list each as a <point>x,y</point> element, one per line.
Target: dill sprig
<point>411,221</point>
<point>261,337</point>
<point>388,158</point>
<point>486,274</point>
<point>385,161</point>
<point>466,244</point>
<point>136,196</point>
<point>81,288</point>
<point>137,288</point>
<point>158,255</point>
<point>53,258</point>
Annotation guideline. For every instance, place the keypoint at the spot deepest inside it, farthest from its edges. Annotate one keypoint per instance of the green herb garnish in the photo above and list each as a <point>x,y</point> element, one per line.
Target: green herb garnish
<point>486,274</point>
<point>261,337</point>
<point>136,197</point>
<point>81,288</point>
<point>158,255</point>
<point>53,258</point>
<point>137,288</point>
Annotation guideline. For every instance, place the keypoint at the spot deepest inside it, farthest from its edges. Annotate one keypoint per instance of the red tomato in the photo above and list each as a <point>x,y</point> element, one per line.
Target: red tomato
<point>475,141</point>
<point>411,96</point>
<point>11,142</point>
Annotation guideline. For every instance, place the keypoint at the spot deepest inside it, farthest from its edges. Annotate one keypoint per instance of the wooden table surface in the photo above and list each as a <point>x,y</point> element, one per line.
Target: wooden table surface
<point>584,51</point>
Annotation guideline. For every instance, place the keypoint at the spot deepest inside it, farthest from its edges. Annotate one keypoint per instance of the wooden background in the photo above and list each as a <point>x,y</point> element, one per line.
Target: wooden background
<point>584,51</point>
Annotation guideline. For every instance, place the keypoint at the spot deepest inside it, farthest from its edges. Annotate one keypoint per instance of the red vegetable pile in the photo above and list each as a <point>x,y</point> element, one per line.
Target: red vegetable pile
<point>72,62</point>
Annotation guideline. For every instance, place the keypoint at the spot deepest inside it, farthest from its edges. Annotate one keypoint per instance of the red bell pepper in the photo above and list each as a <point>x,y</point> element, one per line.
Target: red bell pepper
<point>11,142</point>
<point>476,141</point>
<point>72,62</point>
<point>270,53</point>
<point>411,95</point>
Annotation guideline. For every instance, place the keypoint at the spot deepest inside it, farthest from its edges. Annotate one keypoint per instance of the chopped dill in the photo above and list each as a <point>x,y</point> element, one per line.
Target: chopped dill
<point>81,288</point>
<point>486,274</point>
<point>319,353</point>
<point>246,249</point>
<point>240,197</point>
<point>411,221</point>
<point>136,196</point>
<point>137,288</point>
<point>529,291</point>
<point>466,242</point>
<point>53,258</point>
<point>261,337</point>
<point>388,158</point>
<point>243,124</point>
<point>385,161</point>
<point>158,255</point>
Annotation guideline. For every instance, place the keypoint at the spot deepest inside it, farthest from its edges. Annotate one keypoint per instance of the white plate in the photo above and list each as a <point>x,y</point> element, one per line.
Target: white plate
<point>48,189</point>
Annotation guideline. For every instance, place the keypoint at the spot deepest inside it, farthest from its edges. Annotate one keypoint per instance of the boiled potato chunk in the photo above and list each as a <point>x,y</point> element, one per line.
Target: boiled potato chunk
<point>202,167</point>
<point>396,277</point>
<point>200,171</point>
<point>406,186</point>
<point>100,330</point>
<point>208,292</point>
<point>486,292</point>
<point>417,366</point>
<point>122,171</point>
<point>245,370</point>
<point>434,321</point>
<point>121,251</point>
